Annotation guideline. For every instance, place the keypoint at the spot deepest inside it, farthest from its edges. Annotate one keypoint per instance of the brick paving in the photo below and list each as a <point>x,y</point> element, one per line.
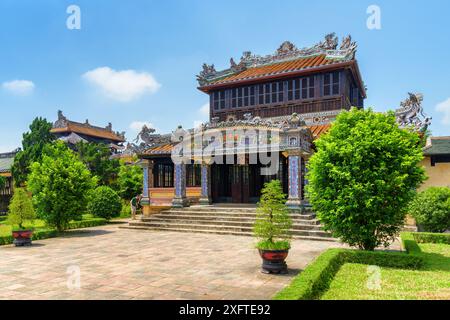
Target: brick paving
<point>131,264</point>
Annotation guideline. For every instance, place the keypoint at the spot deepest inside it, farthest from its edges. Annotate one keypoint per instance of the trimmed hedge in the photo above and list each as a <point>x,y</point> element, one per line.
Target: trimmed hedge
<point>37,235</point>
<point>92,222</point>
<point>428,237</point>
<point>316,278</point>
<point>409,243</point>
<point>52,233</point>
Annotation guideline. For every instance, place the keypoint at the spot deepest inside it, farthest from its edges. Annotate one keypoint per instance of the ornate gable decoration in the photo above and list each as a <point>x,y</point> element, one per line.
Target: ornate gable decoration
<point>287,51</point>
<point>147,138</point>
<point>411,114</point>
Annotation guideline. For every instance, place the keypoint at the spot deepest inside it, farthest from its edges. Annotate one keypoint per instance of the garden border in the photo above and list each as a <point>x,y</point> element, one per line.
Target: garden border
<point>316,278</point>
<point>52,233</point>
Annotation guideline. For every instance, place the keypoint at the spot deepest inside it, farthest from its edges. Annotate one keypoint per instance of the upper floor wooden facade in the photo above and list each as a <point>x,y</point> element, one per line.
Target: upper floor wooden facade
<point>305,81</point>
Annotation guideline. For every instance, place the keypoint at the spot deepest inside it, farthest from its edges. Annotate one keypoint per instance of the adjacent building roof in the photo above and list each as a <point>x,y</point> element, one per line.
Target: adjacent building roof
<point>6,161</point>
<point>437,146</point>
<point>62,125</point>
<point>288,60</point>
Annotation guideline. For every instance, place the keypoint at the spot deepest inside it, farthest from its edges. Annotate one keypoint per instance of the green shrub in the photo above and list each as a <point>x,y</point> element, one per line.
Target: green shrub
<point>426,237</point>
<point>130,180</point>
<point>126,209</point>
<point>409,243</point>
<point>105,202</point>
<point>93,222</point>
<point>362,177</point>
<point>37,235</point>
<point>20,208</point>
<point>60,184</point>
<point>316,278</point>
<point>272,225</point>
<point>431,209</point>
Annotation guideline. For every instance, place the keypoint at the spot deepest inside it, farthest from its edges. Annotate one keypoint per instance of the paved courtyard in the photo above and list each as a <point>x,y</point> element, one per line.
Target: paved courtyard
<point>118,263</point>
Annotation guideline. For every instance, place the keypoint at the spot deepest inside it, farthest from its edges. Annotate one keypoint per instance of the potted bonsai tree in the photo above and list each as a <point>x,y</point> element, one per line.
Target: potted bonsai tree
<point>20,211</point>
<point>272,228</point>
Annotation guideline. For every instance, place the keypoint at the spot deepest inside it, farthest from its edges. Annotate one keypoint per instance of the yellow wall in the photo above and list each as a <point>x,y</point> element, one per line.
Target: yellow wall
<point>5,174</point>
<point>438,176</point>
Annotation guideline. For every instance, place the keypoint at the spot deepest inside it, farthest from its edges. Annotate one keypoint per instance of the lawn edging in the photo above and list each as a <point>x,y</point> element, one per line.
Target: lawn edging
<point>316,278</point>
<point>41,234</point>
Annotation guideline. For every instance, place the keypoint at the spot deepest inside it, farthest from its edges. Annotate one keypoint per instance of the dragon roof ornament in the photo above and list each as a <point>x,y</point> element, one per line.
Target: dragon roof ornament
<point>411,114</point>
<point>287,51</point>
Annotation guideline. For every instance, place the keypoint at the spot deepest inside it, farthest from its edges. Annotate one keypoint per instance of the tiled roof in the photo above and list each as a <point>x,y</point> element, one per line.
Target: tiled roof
<point>279,68</point>
<point>161,149</point>
<point>318,130</point>
<point>166,149</point>
<point>437,146</point>
<point>88,130</point>
<point>6,164</point>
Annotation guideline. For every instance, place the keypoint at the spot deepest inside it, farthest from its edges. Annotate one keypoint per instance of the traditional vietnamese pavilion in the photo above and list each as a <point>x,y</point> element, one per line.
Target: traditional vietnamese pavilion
<point>286,99</point>
<point>6,163</point>
<point>73,132</point>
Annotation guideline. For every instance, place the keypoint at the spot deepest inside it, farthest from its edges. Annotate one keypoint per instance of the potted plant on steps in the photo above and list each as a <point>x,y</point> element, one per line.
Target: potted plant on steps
<point>20,211</point>
<point>272,228</point>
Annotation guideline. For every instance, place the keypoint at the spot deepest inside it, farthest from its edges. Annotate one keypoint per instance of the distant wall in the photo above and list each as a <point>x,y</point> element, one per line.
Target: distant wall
<point>438,176</point>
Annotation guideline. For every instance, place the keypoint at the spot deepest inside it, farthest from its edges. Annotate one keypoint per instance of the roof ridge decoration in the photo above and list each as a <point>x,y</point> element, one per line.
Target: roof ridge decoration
<point>294,121</point>
<point>411,114</point>
<point>63,122</point>
<point>147,138</point>
<point>287,51</point>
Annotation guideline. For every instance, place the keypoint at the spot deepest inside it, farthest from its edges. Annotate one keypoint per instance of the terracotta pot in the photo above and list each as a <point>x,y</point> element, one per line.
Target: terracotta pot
<point>22,237</point>
<point>274,261</point>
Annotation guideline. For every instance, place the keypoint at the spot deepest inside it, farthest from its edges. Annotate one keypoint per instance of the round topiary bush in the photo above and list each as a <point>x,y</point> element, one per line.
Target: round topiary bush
<point>105,203</point>
<point>431,209</point>
<point>363,176</point>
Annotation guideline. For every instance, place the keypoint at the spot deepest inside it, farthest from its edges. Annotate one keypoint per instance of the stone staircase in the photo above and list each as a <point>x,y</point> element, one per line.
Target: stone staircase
<point>225,220</point>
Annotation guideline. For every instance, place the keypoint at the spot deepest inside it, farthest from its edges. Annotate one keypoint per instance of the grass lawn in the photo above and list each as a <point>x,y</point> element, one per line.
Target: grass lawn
<point>431,282</point>
<point>5,228</point>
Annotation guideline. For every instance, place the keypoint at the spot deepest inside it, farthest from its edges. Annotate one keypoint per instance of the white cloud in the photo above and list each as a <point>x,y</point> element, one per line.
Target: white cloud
<point>136,126</point>
<point>125,85</point>
<point>19,87</point>
<point>444,107</point>
<point>204,110</point>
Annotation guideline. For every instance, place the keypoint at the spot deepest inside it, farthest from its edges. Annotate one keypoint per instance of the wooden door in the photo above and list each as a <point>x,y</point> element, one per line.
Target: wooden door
<point>236,193</point>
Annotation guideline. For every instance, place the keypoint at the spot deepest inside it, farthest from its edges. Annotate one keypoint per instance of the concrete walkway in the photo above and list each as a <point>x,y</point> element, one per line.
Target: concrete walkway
<point>115,263</point>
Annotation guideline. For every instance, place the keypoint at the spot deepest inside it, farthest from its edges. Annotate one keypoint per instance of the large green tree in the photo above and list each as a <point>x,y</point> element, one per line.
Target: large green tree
<point>363,175</point>
<point>60,184</point>
<point>33,143</point>
<point>130,181</point>
<point>97,157</point>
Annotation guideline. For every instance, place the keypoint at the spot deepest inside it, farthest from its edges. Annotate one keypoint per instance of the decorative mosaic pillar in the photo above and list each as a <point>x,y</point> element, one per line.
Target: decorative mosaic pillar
<point>179,199</point>
<point>305,201</point>
<point>205,198</point>
<point>295,163</point>
<point>147,168</point>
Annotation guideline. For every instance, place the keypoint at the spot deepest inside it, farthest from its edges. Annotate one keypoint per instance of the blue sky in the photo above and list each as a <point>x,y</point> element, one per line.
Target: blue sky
<point>44,66</point>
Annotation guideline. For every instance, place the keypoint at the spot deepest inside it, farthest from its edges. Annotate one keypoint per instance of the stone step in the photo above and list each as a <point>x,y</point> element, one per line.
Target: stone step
<point>229,213</point>
<point>216,227</point>
<point>204,217</point>
<point>225,221</point>
<point>221,232</point>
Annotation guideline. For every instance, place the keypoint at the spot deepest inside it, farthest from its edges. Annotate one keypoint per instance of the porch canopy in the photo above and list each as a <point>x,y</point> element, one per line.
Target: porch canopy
<point>252,150</point>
